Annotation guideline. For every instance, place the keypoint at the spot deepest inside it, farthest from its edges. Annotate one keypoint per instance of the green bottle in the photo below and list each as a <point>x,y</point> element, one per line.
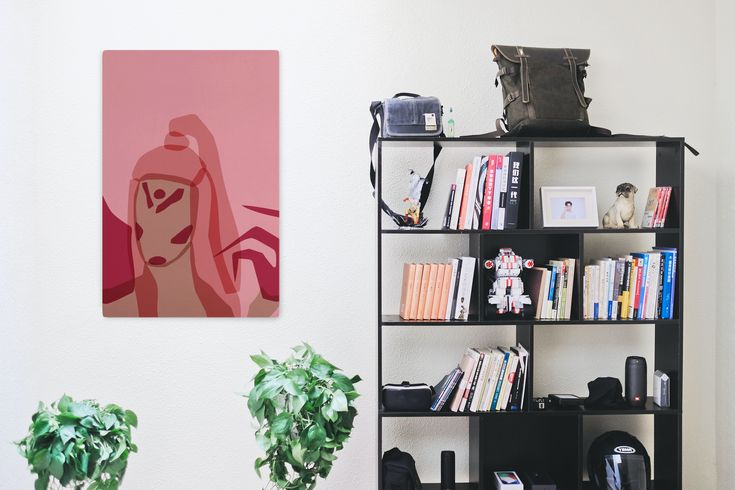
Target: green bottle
<point>450,124</point>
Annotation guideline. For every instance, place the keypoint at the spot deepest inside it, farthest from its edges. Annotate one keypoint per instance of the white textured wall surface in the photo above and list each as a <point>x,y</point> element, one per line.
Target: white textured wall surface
<point>651,73</point>
<point>725,223</point>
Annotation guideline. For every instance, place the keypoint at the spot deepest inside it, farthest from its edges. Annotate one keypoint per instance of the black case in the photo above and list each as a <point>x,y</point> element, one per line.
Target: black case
<point>407,397</point>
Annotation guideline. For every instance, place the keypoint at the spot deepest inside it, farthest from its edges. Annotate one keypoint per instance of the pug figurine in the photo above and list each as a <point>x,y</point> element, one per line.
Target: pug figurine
<point>622,212</point>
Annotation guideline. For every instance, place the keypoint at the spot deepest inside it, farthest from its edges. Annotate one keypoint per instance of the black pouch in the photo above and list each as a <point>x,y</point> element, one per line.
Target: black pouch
<point>399,471</point>
<point>407,397</point>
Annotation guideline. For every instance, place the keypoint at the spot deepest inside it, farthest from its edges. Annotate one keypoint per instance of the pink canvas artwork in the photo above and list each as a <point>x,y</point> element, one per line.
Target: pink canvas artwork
<point>190,183</point>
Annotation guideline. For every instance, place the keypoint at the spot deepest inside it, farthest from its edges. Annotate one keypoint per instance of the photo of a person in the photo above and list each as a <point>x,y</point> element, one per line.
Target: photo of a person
<point>568,212</point>
<point>568,208</point>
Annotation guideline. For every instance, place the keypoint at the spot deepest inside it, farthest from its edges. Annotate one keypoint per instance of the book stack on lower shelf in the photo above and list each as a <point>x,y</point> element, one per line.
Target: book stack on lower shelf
<point>551,289</point>
<point>639,286</point>
<point>437,291</point>
<point>486,380</point>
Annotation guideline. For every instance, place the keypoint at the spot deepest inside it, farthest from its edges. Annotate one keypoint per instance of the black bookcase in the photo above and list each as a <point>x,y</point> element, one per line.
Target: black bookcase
<point>551,440</point>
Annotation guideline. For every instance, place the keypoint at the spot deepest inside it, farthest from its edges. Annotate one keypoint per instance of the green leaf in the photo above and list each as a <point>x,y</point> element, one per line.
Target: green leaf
<point>262,360</point>
<point>81,410</point>
<point>64,403</point>
<point>41,482</point>
<point>41,460</point>
<point>67,433</point>
<point>130,418</point>
<point>56,467</point>
<point>339,401</point>
<point>315,436</point>
<point>282,424</point>
<point>259,463</point>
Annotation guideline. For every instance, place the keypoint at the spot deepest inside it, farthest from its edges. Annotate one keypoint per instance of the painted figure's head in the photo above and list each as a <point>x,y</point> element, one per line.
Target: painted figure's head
<point>568,205</point>
<point>174,209</point>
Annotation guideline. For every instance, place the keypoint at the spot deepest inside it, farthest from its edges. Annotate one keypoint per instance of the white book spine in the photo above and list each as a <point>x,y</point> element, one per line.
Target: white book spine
<point>482,377</point>
<point>654,262</point>
<point>464,292</point>
<point>469,213</point>
<point>492,380</point>
<point>454,263</point>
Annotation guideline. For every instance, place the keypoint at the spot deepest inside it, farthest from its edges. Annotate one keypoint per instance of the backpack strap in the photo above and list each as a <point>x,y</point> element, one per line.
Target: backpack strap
<point>376,111</point>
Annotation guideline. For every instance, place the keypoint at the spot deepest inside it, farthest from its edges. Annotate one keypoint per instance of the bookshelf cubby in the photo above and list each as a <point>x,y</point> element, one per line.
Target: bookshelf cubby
<point>550,440</point>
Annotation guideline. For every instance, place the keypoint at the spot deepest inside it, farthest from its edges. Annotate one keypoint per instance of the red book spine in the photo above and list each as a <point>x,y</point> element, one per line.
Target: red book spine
<point>487,208</point>
<point>665,210</point>
<point>638,275</point>
<point>659,207</point>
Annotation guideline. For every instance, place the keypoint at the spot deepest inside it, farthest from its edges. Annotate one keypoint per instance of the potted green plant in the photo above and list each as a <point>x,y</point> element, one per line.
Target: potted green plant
<point>79,445</point>
<point>305,410</point>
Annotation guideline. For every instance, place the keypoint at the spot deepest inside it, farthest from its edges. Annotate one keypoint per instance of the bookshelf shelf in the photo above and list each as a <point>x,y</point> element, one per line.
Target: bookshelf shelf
<point>397,321</point>
<point>649,409</point>
<point>526,433</point>
<point>537,231</point>
<point>459,486</point>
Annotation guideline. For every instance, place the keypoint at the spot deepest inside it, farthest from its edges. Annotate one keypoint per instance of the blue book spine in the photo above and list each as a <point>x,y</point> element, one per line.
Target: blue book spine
<point>500,382</point>
<point>672,296</point>
<point>597,311</point>
<point>552,283</point>
<point>667,289</point>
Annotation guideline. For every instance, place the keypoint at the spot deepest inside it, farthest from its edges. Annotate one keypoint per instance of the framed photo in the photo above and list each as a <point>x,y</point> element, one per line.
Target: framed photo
<point>568,207</point>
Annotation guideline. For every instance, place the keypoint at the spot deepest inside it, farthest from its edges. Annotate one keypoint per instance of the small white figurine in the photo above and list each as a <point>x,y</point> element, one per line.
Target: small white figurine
<point>622,212</point>
<point>506,292</point>
<point>413,213</point>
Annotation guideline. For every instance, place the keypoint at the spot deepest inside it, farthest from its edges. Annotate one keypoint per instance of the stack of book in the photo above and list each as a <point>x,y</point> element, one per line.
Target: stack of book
<point>489,379</point>
<point>437,291</point>
<point>657,206</point>
<point>639,286</point>
<point>551,289</point>
<point>486,194</point>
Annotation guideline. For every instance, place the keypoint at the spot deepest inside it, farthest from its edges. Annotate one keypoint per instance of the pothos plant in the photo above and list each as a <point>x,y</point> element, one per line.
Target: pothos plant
<point>305,410</point>
<point>79,444</point>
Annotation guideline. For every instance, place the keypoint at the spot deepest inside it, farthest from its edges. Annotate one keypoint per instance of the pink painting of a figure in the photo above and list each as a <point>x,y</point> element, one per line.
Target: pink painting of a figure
<point>183,239</point>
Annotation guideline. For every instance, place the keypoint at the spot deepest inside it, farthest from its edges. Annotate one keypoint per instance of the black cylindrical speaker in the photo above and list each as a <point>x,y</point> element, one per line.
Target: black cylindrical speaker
<point>447,470</point>
<point>636,385</point>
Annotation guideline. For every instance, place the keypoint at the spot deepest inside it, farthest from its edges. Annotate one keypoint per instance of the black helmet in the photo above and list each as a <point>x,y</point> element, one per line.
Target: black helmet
<point>618,461</point>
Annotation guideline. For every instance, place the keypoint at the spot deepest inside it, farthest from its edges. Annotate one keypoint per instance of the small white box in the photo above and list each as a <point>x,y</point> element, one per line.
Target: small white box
<point>661,389</point>
<point>507,480</point>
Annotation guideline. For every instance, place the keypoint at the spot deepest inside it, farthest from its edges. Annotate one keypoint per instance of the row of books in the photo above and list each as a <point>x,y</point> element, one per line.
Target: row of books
<point>486,380</point>
<point>437,291</point>
<point>486,194</point>
<point>639,286</point>
<point>551,289</point>
<point>657,206</point>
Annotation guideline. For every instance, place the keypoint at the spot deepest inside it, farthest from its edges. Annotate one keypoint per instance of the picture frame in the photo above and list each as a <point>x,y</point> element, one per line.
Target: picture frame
<point>569,207</point>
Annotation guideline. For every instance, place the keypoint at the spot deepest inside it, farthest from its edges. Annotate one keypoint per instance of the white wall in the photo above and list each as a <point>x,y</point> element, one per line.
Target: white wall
<point>651,73</point>
<point>725,117</point>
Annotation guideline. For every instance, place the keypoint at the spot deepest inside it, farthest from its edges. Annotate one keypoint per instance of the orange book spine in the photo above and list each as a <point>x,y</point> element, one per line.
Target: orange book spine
<point>436,305</point>
<point>446,287</point>
<point>465,196</point>
<point>430,290</point>
<point>414,308</point>
<point>422,291</point>
<point>409,270</point>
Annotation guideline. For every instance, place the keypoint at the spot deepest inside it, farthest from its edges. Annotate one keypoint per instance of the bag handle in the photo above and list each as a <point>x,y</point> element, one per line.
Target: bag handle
<point>376,111</point>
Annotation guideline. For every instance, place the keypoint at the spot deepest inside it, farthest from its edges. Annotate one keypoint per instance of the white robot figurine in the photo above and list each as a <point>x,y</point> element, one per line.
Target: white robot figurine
<point>507,289</point>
